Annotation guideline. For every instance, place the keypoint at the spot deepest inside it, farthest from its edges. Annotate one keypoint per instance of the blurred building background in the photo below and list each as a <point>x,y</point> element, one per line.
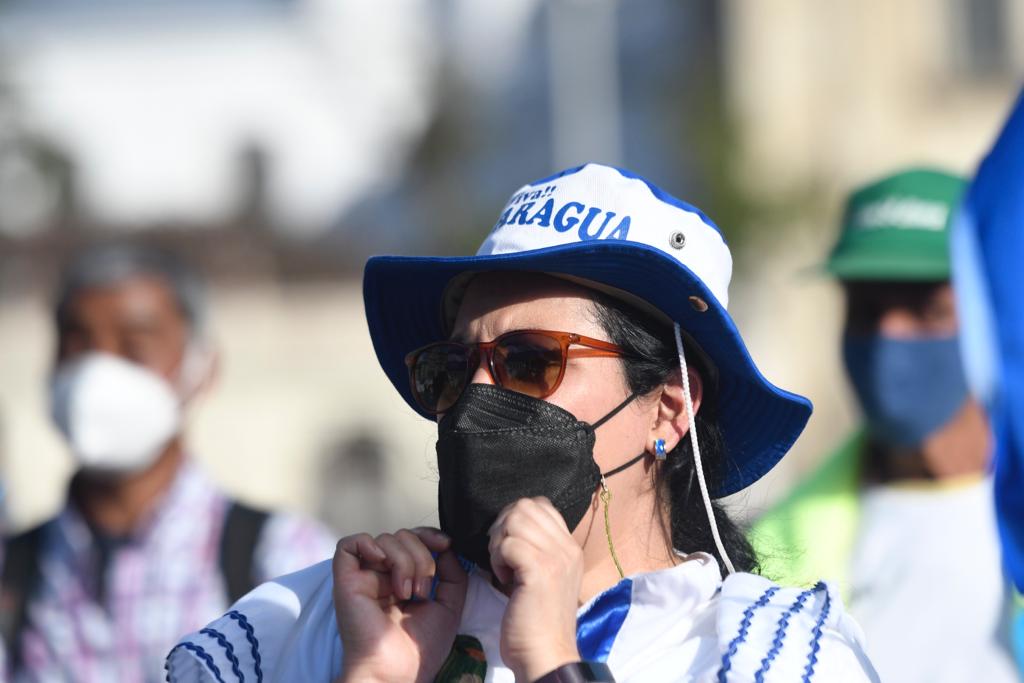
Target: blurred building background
<point>278,143</point>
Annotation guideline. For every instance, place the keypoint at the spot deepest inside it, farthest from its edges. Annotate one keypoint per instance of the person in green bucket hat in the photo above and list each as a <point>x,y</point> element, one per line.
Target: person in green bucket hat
<point>900,515</point>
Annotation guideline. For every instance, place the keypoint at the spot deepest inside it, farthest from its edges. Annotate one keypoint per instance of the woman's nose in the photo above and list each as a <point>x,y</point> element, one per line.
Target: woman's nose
<point>482,375</point>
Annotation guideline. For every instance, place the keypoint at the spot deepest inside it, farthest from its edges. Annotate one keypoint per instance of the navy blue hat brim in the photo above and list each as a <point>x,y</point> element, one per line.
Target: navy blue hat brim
<point>759,421</point>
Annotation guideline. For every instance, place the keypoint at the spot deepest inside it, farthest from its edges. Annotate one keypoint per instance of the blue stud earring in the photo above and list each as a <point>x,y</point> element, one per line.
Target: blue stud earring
<point>659,449</point>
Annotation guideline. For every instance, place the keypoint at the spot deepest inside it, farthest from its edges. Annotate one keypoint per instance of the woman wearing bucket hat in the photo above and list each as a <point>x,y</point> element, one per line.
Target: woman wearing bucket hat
<point>592,397</point>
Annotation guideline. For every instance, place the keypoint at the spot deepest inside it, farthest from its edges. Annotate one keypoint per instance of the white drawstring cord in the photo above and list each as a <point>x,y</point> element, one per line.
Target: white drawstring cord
<point>696,452</point>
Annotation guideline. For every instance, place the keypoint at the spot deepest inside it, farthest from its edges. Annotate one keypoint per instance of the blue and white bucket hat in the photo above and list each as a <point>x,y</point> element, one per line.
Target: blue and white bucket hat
<point>618,233</point>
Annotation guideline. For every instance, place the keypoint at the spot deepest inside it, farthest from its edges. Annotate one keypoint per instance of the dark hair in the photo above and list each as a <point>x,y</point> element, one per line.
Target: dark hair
<point>112,263</point>
<point>652,360</point>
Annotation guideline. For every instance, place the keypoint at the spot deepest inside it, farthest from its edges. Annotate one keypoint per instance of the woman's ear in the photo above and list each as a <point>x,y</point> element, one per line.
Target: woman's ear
<point>671,421</point>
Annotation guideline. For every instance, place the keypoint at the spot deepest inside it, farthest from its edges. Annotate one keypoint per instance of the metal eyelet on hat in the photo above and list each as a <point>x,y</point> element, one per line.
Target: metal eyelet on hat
<point>698,304</point>
<point>677,240</point>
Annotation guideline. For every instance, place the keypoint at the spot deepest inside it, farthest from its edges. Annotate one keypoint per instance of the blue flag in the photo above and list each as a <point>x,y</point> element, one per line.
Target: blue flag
<point>988,273</point>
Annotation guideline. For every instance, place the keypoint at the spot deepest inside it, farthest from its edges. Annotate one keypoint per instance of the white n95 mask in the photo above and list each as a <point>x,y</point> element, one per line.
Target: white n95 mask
<point>117,416</point>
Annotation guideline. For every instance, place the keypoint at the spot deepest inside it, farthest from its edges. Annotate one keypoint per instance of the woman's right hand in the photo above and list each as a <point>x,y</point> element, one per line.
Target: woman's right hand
<point>385,634</point>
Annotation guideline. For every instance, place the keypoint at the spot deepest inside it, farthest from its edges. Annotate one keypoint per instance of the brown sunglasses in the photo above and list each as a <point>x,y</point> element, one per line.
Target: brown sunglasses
<point>531,362</point>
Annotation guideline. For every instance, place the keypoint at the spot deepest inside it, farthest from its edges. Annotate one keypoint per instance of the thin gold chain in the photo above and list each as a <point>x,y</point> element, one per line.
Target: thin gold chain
<point>606,499</point>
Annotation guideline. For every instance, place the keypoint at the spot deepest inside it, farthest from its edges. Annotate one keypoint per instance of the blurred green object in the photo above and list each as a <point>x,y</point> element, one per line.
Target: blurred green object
<point>466,662</point>
<point>810,534</point>
<point>897,228</point>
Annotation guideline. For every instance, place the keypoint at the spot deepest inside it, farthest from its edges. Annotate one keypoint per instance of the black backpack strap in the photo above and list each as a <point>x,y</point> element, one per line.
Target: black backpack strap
<point>17,584</point>
<point>242,528</point>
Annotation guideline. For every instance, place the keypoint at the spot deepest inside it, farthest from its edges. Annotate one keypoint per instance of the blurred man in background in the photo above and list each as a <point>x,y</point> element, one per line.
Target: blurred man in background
<point>146,548</point>
<point>901,515</point>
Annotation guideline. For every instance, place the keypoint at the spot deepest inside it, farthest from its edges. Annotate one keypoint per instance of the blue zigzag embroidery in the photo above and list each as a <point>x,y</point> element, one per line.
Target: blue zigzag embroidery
<point>780,632</point>
<point>250,635</point>
<point>812,658</point>
<point>748,617</point>
<point>229,651</point>
<point>200,653</point>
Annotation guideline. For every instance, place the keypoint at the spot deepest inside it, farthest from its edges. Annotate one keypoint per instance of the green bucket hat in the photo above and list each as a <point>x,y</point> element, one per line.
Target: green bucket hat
<point>897,228</point>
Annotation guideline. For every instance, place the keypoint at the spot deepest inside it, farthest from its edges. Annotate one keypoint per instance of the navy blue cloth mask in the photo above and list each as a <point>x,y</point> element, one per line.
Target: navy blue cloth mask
<point>908,388</point>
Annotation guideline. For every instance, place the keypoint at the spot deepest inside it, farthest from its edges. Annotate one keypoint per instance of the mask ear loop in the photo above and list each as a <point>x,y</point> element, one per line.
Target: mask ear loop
<point>606,493</point>
<point>698,464</point>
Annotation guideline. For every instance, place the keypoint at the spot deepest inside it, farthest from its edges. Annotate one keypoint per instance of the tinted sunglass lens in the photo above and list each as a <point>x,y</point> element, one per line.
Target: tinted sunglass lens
<point>528,363</point>
<point>439,376</point>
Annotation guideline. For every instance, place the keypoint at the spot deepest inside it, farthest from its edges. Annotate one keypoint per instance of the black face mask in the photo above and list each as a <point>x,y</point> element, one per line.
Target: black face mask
<point>496,446</point>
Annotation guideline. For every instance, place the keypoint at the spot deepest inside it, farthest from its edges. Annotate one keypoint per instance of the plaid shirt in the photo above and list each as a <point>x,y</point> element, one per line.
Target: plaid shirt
<point>88,624</point>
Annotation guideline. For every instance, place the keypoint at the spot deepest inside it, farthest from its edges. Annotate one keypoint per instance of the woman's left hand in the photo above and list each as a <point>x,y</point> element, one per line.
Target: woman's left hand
<point>533,552</point>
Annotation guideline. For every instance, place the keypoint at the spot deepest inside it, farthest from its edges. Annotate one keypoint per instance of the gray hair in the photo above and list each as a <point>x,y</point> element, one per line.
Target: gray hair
<point>111,264</point>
